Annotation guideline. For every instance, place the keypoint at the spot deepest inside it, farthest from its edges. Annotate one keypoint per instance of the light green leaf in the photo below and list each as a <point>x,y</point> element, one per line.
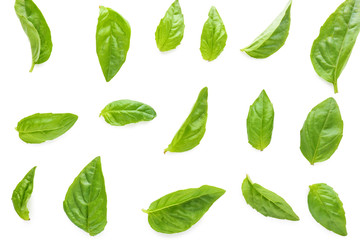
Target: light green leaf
<point>85,202</point>
<point>41,127</point>
<point>213,37</point>
<point>22,194</point>
<point>267,202</point>
<point>178,211</point>
<point>122,112</point>
<point>326,208</point>
<point>37,30</point>
<point>170,30</point>
<point>273,38</point>
<point>112,41</point>
<point>193,129</point>
<point>260,122</point>
<point>322,132</point>
<point>332,48</point>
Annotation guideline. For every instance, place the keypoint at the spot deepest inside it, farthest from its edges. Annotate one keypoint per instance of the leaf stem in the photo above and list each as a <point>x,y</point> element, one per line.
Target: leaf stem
<point>32,67</point>
<point>335,87</point>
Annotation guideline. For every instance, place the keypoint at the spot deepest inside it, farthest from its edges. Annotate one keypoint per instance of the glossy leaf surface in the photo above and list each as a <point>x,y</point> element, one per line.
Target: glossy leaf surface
<point>213,37</point>
<point>41,127</point>
<point>322,132</point>
<point>332,48</point>
<point>22,194</point>
<point>170,30</point>
<point>267,202</point>
<point>112,41</point>
<point>193,129</point>
<point>37,30</point>
<point>273,38</point>
<point>85,202</point>
<point>178,211</point>
<point>326,208</point>
<point>260,122</point>
<point>122,112</point>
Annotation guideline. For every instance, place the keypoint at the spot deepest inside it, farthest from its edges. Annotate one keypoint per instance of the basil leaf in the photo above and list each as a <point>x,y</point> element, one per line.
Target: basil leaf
<point>326,208</point>
<point>170,30</point>
<point>322,132</point>
<point>122,112</point>
<point>213,37</point>
<point>37,30</point>
<point>267,202</point>
<point>112,41</point>
<point>273,38</point>
<point>193,129</point>
<point>332,48</point>
<point>260,122</point>
<point>178,211</point>
<point>85,201</point>
<point>41,127</point>
<point>22,194</point>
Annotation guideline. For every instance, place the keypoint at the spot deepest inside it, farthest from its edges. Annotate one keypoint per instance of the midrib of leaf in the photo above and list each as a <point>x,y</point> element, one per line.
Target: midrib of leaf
<point>168,32</point>
<point>340,51</point>
<point>325,208</point>
<point>22,197</point>
<point>90,192</point>
<point>262,125</point>
<point>318,141</point>
<point>111,43</point>
<point>175,204</point>
<point>45,130</point>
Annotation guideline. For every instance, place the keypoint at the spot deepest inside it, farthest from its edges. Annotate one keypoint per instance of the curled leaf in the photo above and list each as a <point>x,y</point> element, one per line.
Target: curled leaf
<point>22,194</point>
<point>193,129</point>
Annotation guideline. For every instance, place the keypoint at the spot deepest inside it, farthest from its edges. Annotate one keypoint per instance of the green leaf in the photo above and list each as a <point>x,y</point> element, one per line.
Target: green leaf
<point>22,194</point>
<point>112,41</point>
<point>85,201</point>
<point>193,129</point>
<point>37,30</point>
<point>213,37</point>
<point>322,132</point>
<point>170,30</point>
<point>326,208</point>
<point>178,211</point>
<point>41,127</point>
<point>267,202</point>
<point>260,122</point>
<point>273,38</point>
<point>122,112</point>
<point>332,48</point>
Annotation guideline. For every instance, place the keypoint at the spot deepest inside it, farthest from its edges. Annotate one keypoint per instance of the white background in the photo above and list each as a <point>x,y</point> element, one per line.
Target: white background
<point>136,170</point>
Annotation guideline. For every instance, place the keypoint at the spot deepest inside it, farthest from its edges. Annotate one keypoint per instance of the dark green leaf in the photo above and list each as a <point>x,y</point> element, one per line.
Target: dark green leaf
<point>112,41</point>
<point>37,30</point>
<point>326,208</point>
<point>22,194</point>
<point>332,48</point>
<point>41,127</point>
<point>193,129</point>
<point>178,211</point>
<point>322,132</point>
<point>170,30</point>
<point>85,201</point>
<point>213,37</point>
<point>273,38</point>
<point>122,112</point>
<point>267,202</point>
<point>260,122</point>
